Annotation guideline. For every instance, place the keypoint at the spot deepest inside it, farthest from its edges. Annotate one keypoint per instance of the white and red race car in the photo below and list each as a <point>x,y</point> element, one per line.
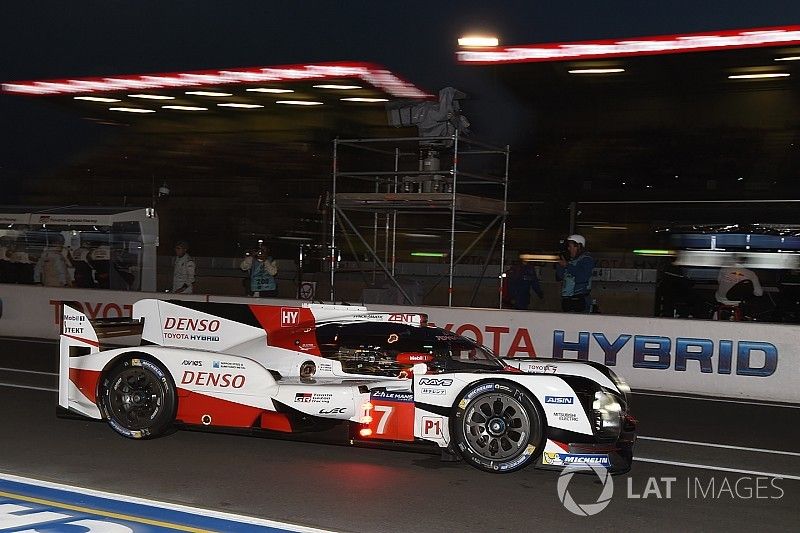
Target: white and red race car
<point>365,377</point>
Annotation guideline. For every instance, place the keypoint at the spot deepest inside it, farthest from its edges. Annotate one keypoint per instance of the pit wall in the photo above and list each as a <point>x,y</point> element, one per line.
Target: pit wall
<point>743,360</point>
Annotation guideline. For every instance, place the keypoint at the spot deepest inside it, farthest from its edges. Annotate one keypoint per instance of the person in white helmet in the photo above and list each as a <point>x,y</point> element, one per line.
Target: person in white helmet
<point>574,271</point>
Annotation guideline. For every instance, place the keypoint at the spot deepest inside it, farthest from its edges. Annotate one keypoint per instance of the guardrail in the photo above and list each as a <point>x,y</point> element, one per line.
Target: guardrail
<point>727,359</point>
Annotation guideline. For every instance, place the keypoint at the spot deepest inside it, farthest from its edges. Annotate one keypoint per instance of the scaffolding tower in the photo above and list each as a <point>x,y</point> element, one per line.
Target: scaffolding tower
<point>418,176</point>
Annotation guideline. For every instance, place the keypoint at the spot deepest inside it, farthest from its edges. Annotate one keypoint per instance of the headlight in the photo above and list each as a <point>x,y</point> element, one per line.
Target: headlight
<point>607,414</point>
<point>622,386</point>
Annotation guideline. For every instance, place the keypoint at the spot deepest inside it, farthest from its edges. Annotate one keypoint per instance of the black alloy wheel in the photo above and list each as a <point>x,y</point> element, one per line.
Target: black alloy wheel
<point>497,427</point>
<point>138,398</point>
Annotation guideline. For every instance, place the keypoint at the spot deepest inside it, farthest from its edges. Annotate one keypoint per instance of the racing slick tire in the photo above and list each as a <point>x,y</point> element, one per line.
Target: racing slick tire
<point>497,426</point>
<point>137,397</point>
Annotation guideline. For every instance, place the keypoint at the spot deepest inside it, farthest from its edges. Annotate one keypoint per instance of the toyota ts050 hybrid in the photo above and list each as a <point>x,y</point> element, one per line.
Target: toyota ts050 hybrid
<point>365,377</point>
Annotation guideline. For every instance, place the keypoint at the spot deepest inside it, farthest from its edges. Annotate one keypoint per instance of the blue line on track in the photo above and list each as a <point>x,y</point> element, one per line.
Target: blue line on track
<point>132,513</point>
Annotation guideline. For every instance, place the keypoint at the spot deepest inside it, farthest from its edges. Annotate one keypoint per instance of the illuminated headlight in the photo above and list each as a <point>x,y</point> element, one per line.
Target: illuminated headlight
<point>607,414</point>
<point>623,387</point>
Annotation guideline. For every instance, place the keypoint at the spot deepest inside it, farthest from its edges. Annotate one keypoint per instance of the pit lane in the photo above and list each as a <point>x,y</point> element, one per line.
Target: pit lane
<point>356,489</point>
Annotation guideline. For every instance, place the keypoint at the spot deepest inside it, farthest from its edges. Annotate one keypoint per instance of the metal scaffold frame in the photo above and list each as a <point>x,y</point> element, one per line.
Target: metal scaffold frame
<point>390,196</point>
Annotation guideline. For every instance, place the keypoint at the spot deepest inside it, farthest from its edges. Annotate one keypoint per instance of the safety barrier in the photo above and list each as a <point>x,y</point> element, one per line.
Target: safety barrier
<point>723,359</point>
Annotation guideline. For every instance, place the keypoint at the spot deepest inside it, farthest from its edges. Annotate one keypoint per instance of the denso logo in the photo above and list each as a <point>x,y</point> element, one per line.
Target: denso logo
<point>657,352</point>
<point>211,379</point>
<point>436,382</point>
<point>191,324</point>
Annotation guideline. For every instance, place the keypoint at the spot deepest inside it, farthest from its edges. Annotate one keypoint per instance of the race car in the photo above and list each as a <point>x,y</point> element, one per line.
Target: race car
<point>344,373</point>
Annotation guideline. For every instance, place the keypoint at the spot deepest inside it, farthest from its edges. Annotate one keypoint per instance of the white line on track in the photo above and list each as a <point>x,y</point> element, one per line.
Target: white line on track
<point>165,505</point>
<point>15,386</point>
<point>706,399</point>
<point>35,341</point>
<point>6,369</point>
<point>718,468</point>
<point>726,446</point>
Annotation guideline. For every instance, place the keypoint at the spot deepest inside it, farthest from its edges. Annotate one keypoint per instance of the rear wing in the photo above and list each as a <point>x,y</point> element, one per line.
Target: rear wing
<point>81,337</point>
<point>75,325</point>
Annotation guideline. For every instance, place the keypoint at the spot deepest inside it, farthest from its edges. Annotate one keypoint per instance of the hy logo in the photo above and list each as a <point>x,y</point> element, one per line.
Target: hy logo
<point>585,509</point>
<point>290,316</point>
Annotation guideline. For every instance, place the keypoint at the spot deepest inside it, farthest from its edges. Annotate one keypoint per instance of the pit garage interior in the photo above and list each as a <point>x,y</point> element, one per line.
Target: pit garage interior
<point>673,137</point>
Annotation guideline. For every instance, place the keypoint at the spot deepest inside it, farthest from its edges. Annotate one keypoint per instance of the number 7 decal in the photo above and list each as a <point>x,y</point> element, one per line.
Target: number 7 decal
<point>386,414</point>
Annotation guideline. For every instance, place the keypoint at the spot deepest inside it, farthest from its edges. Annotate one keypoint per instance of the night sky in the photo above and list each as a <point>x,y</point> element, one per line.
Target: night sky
<point>416,39</point>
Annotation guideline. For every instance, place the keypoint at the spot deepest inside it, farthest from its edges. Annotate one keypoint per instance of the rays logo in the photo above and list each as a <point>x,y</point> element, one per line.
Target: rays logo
<point>585,509</point>
<point>436,382</point>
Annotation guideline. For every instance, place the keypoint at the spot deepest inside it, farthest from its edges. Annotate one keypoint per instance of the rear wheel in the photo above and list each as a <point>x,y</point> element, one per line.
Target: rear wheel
<point>138,399</point>
<point>497,427</point>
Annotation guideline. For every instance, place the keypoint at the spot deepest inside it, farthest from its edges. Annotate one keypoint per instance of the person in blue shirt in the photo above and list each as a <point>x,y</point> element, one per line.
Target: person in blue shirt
<point>575,274</point>
<point>262,270</point>
<point>519,280</point>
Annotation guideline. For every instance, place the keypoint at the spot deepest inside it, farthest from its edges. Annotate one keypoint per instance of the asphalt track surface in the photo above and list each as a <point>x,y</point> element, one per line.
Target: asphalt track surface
<point>723,456</point>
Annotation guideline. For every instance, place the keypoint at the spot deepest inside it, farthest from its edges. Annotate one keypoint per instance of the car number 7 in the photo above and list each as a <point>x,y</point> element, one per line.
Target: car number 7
<point>386,414</point>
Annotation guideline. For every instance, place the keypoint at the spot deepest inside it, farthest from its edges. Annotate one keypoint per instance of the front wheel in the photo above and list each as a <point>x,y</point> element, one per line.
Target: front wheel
<point>138,398</point>
<point>497,427</point>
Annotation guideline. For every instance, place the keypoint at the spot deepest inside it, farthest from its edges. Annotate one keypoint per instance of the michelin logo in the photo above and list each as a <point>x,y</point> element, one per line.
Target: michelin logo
<point>567,459</point>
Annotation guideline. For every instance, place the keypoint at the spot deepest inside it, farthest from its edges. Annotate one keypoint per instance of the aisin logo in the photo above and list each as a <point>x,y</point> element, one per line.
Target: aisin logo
<point>585,509</point>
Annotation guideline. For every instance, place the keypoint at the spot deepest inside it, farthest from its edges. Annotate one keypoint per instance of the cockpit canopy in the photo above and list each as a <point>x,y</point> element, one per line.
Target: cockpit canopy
<point>389,349</point>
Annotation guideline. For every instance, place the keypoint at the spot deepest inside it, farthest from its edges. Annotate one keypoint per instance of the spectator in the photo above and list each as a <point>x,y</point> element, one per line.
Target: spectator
<point>261,272</point>
<point>51,268</point>
<point>100,261</point>
<point>574,270</point>
<point>21,264</point>
<point>183,273</point>
<point>84,277</point>
<point>519,280</point>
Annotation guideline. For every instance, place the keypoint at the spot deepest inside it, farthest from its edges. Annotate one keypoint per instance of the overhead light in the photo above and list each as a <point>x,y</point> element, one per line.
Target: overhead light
<point>596,70</point>
<point>298,102</point>
<point>787,35</point>
<point>151,96</point>
<point>208,93</point>
<point>184,107</point>
<point>335,86</point>
<point>610,227</point>
<point>759,76</point>
<point>96,99</point>
<point>545,258</point>
<point>478,41</point>
<point>648,251</point>
<point>241,106</point>
<point>364,99</point>
<point>421,235</point>
<point>131,109</point>
<point>790,58</point>
<point>269,90</point>
<point>428,254</point>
